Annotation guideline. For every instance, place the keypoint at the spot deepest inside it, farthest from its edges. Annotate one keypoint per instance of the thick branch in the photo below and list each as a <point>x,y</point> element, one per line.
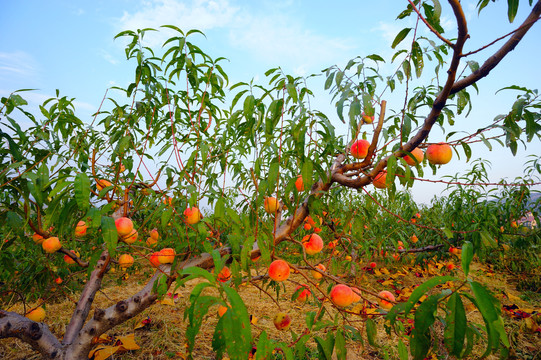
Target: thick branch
<point>506,48</point>
<point>36,334</point>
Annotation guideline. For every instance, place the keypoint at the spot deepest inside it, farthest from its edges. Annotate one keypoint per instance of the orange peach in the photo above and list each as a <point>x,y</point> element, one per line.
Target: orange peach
<point>124,226</point>
<point>387,305</point>
<point>125,261</point>
<point>38,239</point>
<point>279,270</point>
<point>224,275</point>
<point>166,256</point>
<point>414,239</point>
<point>299,184</point>
<point>380,181</point>
<point>151,242</point>
<point>51,245</point>
<point>155,234</point>
<point>102,184</point>
<point>192,215</point>
<point>68,260</point>
<point>58,280</point>
<point>356,294</point>
<point>359,149</point>
<point>341,295</point>
<point>130,239</point>
<point>367,119</point>
<point>38,314</point>
<point>155,259</point>
<point>307,226</point>
<point>317,275</point>
<point>80,229</point>
<point>418,155</point>
<point>304,294</point>
<point>312,244</point>
<point>271,204</point>
<point>439,154</point>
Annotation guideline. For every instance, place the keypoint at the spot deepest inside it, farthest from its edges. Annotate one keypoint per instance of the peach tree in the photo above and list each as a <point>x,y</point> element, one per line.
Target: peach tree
<point>221,175</point>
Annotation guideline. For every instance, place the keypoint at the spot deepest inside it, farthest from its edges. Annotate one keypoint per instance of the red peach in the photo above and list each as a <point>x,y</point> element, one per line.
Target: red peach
<point>359,149</point>
<point>387,305</point>
<point>312,244</point>
<point>279,270</point>
<point>124,226</point>
<point>438,154</point>
<point>341,295</point>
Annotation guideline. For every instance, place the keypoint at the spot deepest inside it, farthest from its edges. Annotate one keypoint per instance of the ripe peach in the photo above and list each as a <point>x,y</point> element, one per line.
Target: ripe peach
<point>317,230</point>
<point>304,294</point>
<point>312,244</point>
<point>166,256</point>
<point>387,305</point>
<point>440,153</point>
<point>51,245</point>
<point>192,215</point>
<point>151,242</point>
<point>271,204</point>
<point>155,259</point>
<point>38,314</point>
<point>224,275</point>
<point>282,321</point>
<point>38,239</point>
<point>155,234</point>
<point>299,184</point>
<point>80,229</point>
<point>341,295</point>
<point>414,239</point>
<point>102,184</point>
<point>380,180</point>
<point>58,280</point>
<point>130,239</point>
<point>359,149</point>
<point>125,261</point>
<point>307,226</point>
<point>68,260</point>
<point>373,265</point>
<point>450,266</point>
<point>279,270</point>
<point>317,275</point>
<point>124,226</point>
<point>367,119</point>
<point>356,294</point>
<point>418,154</point>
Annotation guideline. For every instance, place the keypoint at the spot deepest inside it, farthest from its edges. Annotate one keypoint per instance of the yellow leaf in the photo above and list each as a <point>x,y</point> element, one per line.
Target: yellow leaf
<point>167,301</point>
<point>103,352</point>
<point>128,342</point>
<point>385,271</point>
<point>376,272</point>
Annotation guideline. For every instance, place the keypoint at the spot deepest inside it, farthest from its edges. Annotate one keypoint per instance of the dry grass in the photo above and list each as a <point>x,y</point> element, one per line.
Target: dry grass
<point>164,337</point>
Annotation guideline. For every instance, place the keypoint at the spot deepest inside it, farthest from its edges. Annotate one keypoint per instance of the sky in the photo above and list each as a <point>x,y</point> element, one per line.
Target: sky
<point>69,45</point>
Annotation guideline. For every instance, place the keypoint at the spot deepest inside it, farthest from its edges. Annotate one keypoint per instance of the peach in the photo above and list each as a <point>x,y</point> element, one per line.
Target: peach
<point>125,261</point>
<point>38,239</point>
<point>341,295</point>
<point>58,280</point>
<point>387,305</point>
<point>102,184</point>
<point>450,266</point>
<point>414,239</point>
<point>38,314</point>
<point>166,256</point>
<point>282,321</point>
<point>359,149</point>
<point>307,226</point>
<point>312,244</point>
<point>124,226</point>
<point>155,259</point>
<point>439,153</point>
<point>317,275</point>
<point>380,180</point>
<point>151,242</point>
<point>373,265</point>
<point>304,294</point>
<point>155,234</point>
<point>279,270</point>
<point>418,155</point>
<point>130,239</point>
<point>224,275</point>
<point>51,245</point>
<point>68,260</point>
<point>271,204</point>
<point>80,229</point>
<point>299,184</point>
<point>356,294</point>
<point>367,119</point>
<point>192,215</point>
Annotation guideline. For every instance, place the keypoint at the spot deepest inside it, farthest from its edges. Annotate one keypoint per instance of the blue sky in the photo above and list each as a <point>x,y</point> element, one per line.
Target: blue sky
<point>68,45</point>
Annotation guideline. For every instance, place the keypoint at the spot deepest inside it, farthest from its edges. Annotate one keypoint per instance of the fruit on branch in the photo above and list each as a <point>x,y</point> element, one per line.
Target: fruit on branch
<point>384,304</point>
<point>124,226</point>
<point>154,234</point>
<point>151,242</point>
<point>380,180</point>
<point>130,239</point>
<point>270,204</point>
<point>450,266</point>
<point>317,275</point>
<point>439,154</point>
<point>37,315</point>
<point>168,200</point>
<point>155,259</point>
<point>367,119</point>
<point>58,280</point>
<point>224,275</point>
<point>299,184</point>
<point>192,215</point>
<point>279,270</point>
<point>356,294</point>
<point>51,245</point>
<point>359,149</point>
<point>80,229</point>
<point>102,184</point>
<point>341,295</point>
<point>222,310</point>
<point>304,294</point>
<point>37,238</point>
<point>282,321</point>
<point>312,244</point>
<point>307,226</point>
<point>414,238</point>
<point>418,154</point>
<point>373,265</point>
<point>125,261</point>
<point>455,251</point>
<point>166,256</point>
<point>68,260</point>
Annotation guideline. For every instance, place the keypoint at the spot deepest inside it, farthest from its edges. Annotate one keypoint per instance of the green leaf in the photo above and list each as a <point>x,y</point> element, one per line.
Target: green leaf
<point>402,350</point>
<point>264,347</point>
<point>328,82</point>
<point>340,345</point>
<point>456,324</point>
<point>371,332</point>
<point>467,256</point>
<point>325,346</point>
<point>417,58</point>
<point>237,327</point>
<point>292,91</point>
<point>219,208</point>
<point>512,8</point>
<point>401,36</point>
<point>422,290</point>
<point>195,272</point>
<point>307,173</point>
<point>420,338</point>
<point>81,186</point>
<point>249,106</point>
<point>109,233</point>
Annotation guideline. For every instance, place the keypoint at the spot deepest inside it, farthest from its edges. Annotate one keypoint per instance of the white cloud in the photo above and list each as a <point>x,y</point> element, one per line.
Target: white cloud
<point>17,64</point>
